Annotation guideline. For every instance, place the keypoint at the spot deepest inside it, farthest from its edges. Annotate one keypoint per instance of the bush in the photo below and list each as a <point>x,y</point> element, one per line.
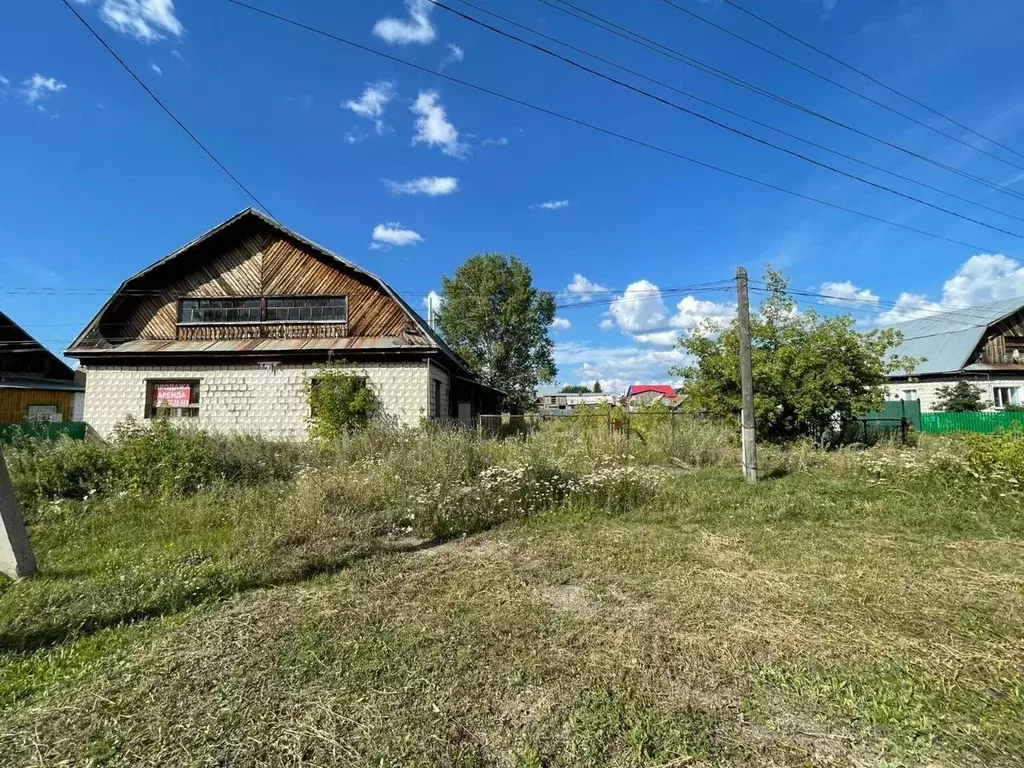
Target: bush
<point>64,469</point>
<point>339,403</point>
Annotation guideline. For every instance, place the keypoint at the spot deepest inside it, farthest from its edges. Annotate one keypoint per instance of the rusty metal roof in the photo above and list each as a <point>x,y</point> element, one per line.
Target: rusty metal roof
<point>261,346</point>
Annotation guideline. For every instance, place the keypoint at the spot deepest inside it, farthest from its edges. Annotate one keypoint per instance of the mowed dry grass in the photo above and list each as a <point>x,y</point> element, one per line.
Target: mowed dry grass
<point>809,621</point>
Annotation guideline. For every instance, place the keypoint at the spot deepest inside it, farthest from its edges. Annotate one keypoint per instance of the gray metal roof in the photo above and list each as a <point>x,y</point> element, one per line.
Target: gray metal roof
<point>947,339</point>
<point>548,391</point>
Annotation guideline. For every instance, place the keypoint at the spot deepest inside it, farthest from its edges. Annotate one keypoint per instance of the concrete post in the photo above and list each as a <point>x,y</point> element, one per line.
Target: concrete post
<point>16,558</point>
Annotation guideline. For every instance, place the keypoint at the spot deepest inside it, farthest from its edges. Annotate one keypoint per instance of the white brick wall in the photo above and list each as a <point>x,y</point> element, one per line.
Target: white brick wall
<point>927,391</point>
<point>246,398</point>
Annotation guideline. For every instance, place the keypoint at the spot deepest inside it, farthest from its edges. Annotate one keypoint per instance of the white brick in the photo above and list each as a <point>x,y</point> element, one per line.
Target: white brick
<point>248,399</point>
<point>927,391</point>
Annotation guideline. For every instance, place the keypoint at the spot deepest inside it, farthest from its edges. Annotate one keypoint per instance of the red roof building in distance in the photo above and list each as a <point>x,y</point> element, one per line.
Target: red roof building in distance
<point>661,389</point>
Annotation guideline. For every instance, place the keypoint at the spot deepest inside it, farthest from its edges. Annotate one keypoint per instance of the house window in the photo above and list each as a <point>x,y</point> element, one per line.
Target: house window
<point>319,309</point>
<point>437,398</point>
<point>196,311</point>
<point>1005,396</point>
<point>910,394</point>
<point>42,413</point>
<point>172,399</point>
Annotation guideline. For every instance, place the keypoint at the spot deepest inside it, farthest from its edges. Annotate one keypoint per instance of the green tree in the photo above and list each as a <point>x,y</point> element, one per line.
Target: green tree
<point>810,371</point>
<point>339,403</point>
<point>597,388</point>
<point>495,319</point>
<point>959,398</point>
<point>575,389</point>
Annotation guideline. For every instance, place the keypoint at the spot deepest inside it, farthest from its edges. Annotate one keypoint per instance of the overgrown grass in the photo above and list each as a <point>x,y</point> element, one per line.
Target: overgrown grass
<point>634,608</point>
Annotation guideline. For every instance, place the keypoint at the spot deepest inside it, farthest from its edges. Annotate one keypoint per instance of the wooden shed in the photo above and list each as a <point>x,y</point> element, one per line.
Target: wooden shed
<point>35,384</point>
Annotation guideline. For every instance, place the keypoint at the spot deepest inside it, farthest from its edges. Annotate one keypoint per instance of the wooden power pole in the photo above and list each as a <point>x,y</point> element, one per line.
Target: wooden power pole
<point>16,558</point>
<point>748,433</point>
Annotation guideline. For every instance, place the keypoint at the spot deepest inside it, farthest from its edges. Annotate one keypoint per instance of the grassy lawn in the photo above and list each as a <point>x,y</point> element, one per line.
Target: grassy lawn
<point>819,618</point>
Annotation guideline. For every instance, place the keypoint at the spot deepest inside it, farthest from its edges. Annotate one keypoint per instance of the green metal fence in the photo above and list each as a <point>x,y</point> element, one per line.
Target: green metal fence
<point>43,429</point>
<point>945,423</point>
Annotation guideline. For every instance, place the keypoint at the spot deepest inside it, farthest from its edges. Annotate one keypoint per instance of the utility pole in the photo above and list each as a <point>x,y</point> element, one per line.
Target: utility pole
<point>748,432</point>
<point>16,558</point>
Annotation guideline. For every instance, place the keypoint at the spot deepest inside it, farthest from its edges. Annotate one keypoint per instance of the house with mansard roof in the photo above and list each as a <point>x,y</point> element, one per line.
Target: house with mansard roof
<point>35,384</point>
<point>983,344</point>
<point>229,331</point>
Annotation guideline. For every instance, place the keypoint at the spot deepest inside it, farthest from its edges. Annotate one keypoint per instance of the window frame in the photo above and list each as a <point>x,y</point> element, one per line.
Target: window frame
<point>195,399</point>
<point>28,412</point>
<point>301,297</point>
<point>999,402</point>
<point>905,392</point>
<point>437,389</point>
<point>263,320</point>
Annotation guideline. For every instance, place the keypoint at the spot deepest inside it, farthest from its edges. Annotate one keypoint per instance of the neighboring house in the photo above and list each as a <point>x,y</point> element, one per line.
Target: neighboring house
<point>644,394</point>
<point>35,384</point>
<point>983,345</point>
<point>230,331</point>
<point>554,399</point>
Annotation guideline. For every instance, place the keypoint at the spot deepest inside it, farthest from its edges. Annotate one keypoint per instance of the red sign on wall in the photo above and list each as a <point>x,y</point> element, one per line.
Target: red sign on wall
<point>172,395</point>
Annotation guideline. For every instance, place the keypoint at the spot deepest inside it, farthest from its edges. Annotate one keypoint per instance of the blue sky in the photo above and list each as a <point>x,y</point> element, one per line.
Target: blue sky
<point>99,182</point>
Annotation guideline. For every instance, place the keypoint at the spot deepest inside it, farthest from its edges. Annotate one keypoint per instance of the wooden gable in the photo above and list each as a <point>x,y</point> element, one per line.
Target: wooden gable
<point>250,259</point>
<point>996,348</point>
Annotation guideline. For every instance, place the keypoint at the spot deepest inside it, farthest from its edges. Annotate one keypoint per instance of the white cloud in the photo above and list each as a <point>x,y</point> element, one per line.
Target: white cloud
<point>618,367</point>
<point>607,324</point>
<point>145,20</point>
<point>983,278</point>
<point>394,234</point>
<point>551,205</point>
<point>354,137</point>
<point>641,312</point>
<point>416,29</point>
<point>455,55</point>
<point>500,141</point>
<point>372,102</point>
<point>846,294</point>
<point>560,324</point>
<point>155,67</point>
<point>4,80</point>
<point>425,185</point>
<point>38,87</point>
<point>433,127</point>
<point>432,302</point>
<point>583,288</point>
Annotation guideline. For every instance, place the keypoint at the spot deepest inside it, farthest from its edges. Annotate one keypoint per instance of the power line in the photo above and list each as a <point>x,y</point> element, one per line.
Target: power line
<point>646,42</point>
<point>717,123</point>
<point>167,110</point>
<point>873,79</point>
<point>740,115</point>
<point>837,84</point>
<point>592,126</point>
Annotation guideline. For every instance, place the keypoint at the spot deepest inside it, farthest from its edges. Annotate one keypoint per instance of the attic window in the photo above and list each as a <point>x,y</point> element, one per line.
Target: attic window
<point>196,311</point>
<point>312,309</point>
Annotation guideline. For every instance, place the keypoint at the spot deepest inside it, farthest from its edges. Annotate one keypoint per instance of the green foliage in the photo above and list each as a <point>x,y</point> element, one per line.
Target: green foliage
<point>999,454</point>
<point>810,371</point>
<point>961,397</point>
<point>160,459</point>
<point>339,403</point>
<point>576,389</point>
<point>597,388</point>
<point>496,320</point>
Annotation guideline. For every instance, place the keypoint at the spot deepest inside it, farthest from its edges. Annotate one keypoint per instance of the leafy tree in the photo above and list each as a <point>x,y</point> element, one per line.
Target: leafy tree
<point>959,398</point>
<point>576,389</point>
<point>496,320</point>
<point>597,388</point>
<point>339,403</point>
<point>810,371</point>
